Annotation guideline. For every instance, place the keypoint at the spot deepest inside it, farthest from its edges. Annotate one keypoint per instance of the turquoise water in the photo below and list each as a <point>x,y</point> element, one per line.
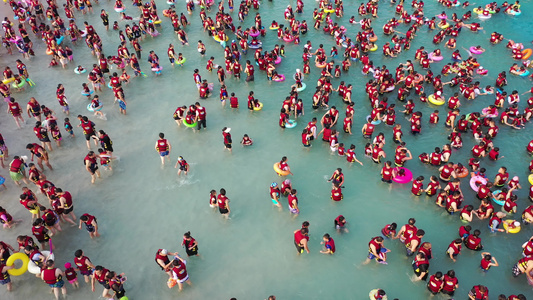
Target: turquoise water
<point>142,207</point>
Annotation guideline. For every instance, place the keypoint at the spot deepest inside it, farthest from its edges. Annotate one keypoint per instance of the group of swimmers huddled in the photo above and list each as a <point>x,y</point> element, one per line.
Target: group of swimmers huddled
<point>405,80</point>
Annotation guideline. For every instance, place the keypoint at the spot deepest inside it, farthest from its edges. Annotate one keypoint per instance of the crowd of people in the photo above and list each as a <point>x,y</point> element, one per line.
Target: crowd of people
<point>406,83</point>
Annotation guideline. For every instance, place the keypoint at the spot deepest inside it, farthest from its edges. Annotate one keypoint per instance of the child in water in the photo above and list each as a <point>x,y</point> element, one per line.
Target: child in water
<point>246,140</point>
<point>71,275</point>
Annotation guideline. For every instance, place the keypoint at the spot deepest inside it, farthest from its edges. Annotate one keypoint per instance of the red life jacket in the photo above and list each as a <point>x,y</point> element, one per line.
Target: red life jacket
<point>180,270</point>
<point>15,165</point>
<point>49,276</point>
<point>164,258</point>
<point>162,145</point>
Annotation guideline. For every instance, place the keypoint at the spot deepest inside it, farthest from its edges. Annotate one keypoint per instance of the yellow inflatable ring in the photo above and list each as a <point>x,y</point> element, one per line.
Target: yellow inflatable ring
<point>373,48</point>
<point>9,80</point>
<point>280,171</point>
<point>432,100</point>
<point>16,256</point>
<point>506,224</point>
<point>259,107</point>
<point>329,11</point>
<point>158,21</point>
<point>530,179</point>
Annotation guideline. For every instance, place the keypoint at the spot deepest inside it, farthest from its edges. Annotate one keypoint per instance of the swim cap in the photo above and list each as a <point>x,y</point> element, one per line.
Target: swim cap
<point>164,252</point>
<point>67,265</point>
<point>274,184</point>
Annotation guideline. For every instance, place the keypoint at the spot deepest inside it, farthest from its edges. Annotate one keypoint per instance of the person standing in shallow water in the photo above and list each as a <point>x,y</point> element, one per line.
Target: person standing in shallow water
<point>223,204</point>
<point>227,138</point>
<point>163,147</point>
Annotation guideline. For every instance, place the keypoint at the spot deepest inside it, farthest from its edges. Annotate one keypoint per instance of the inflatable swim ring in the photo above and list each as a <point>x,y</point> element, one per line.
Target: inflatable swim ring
<point>49,51</point>
<point>463,174</point>
<point>474,50</point>
<point>300,89</point>
<point>291,124</point>
<point>373,38</point>
<point>499,202</point>
<point>18,256</point>
<point>274,28</point>
<point>180,62</point>
<point>373,48</point>
<point>526,53</point>
<point>530,179</point>
<point>403,179</point>
<point>376,122</point>
<point>474,181</point>
<point>119,10</point>
<point>321,65</point>
<point>486,110</point>
<point>216,38</point>
<point>158,21</point>
<point>280,171</point>
<point>508,223</point>
<point>255,33</point>
<point>9,80</point>
<point>444,26</point>
<point>329,11</point>
<point>190,125</point>
<point>33,268</point>
<point>480,71</point>
<point>18,86</point>
<point>256,46</point>
<point>60,40</point>
<point>280,79</point>
<point>92,109</point>
<point>435,58</point>
<point>259,107</point>
<point>434,101</point>
<point>484,17</point>
<point>288,39</point>
<point>278,60</point>
<point>85,94</point>
<point>524,74</point>
<point>78,72</point>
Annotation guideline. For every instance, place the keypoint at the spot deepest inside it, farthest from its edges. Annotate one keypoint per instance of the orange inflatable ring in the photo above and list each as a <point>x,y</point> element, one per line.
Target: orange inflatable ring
<point>166,13</point>
<point>463,174</point>
<point>526,53</point>
<point>373,39</point>
<point>280,171</point>
<point>49,51</point>
<point>321,66</point>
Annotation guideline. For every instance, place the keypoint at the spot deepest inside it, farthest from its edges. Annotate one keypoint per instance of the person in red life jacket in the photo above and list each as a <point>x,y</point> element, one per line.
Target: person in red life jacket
<point>91,165</point>
<point>528,248</point>
<point>378,153</point>
<point>418,186</point>
<point>116,284</point>
<point>502,177</point>
<point>478,151</point>
<point>451,283</point>
<point>387,172</point>
<point>376,294</point>
<point>53,277</point>
<point>41,154</point>
<point>487,261</point>
<point>336,193</point>
<point>4,275</point>
<point>83,264</point>
<point>467,213</point>
<point>340,223</point>
<point>42,135</point>
<point>446,172</point>
<point>71,275</point>
<point>424,158</point>
<point>301,239</point>
<point>227,138</point>
<point>473,241</point>
<point>329,244</point>
<point>284,166</point>
<point>223,203</point>
<point>389,231</point>
<point>161,258</point>
<point>200,116</point>
<point>100,275</point>
<point>420,267</point>
<point>34,108</point>
<point>525,266</point>
<point>190,244</point>
<point>25,240</point>
<point>90,224</point>
<point>88,130</point>
<point>454,249</point>
<point>434,117</point>
<point>377,251</point>
<point>179,271</point>
<point>436,283</point>
<point>40,232</point>
<point>368,129</point>
<point>407,231</point>
<point>6,219</point>
<point>275,194</point>
<point>479,292</point>
<point>15,110</point>
<point>292,199</point>
<point>233,101</point>
<point>414,242</point>
<point>163,147</point>
<point>337,177</point>
<point>5,251</point>
<point>433,186</point>
<point>184,166</point>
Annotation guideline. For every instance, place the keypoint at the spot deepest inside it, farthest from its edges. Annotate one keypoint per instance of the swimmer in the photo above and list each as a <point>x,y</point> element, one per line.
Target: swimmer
<point>164,147</point>
<point>91,165</point>
<point>329,244</point>
<point>275,194</point>
<point>246,140</point>
<point>52,276</point>
<point>227,138</point>
<point>301,238</point>
<point>284,166</point>
<point>223,204</point>
<point>184,166</point>
<point>454,249</point>
<point>377,251</point>
<point>190,244</point>
<point>71,275</point>
<point>90,224</point>
<point>487,261</point>
<point>293,202</point>
<point>337,178</point>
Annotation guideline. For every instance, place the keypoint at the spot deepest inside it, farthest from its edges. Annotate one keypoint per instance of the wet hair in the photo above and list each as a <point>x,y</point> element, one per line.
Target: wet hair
<point>79,252</point>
